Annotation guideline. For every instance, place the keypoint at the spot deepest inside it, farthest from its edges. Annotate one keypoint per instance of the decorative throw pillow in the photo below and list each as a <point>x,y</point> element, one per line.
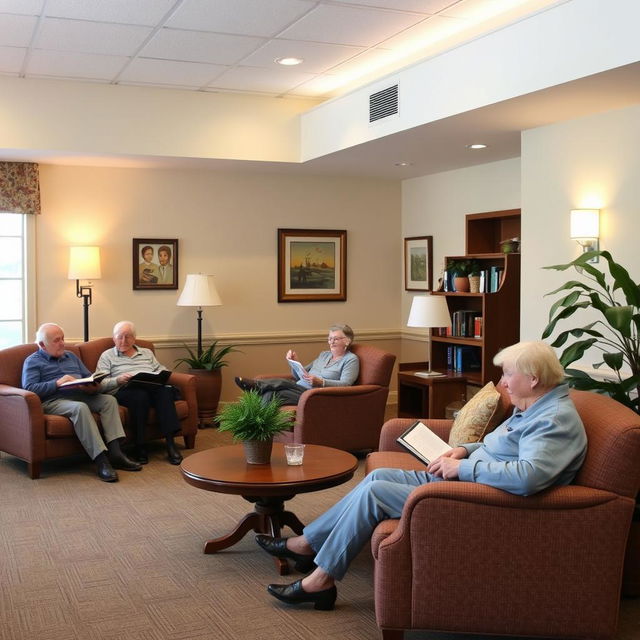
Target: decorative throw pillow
<point>479,416</point>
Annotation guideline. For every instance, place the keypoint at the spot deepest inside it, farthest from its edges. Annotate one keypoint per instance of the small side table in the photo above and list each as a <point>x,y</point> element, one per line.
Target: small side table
<point>420,397</point>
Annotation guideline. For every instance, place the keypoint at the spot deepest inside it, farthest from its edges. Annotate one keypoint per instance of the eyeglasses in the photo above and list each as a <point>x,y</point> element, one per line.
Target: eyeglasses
<point>334,339</point>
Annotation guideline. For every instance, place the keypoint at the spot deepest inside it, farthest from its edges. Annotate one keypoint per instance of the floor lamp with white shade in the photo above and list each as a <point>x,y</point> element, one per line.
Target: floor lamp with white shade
<point>429,312</point>
<point>199,291</point>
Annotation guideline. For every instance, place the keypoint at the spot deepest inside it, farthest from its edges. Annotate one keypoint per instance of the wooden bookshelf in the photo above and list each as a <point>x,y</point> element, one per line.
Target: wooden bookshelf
<point>500,310</point>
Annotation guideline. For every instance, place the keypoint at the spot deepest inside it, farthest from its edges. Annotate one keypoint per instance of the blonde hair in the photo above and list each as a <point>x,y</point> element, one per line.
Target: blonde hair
<point>536,359</point>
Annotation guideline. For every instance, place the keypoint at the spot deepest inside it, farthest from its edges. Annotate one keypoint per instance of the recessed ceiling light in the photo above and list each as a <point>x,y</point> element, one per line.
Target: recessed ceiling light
<point>289,62</point>
<point>477,145</point>
<point>403,164</point>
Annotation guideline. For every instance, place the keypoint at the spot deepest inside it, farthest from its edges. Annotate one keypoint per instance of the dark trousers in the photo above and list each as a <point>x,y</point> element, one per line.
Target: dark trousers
<point>139,401</point>
<point>286,390</point>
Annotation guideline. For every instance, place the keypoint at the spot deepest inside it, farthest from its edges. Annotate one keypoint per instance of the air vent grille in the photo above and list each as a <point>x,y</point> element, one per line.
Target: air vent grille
<point>383,104</point>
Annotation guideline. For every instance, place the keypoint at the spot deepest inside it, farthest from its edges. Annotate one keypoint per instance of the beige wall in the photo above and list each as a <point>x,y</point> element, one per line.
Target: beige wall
<point>226,225</point>
<point>591,162</point>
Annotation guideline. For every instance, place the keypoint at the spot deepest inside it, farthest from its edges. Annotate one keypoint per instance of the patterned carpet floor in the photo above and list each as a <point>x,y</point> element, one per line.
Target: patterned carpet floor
<point>84,560</point>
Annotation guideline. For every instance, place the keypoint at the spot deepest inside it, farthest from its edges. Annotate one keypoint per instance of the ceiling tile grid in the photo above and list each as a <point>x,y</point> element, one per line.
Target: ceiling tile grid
<point>212,45</point>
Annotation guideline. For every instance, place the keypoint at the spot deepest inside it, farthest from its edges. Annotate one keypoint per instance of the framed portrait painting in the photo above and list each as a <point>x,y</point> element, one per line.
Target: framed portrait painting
<point>418,263</point>
<point>312,265</point>
<point>155,264</point>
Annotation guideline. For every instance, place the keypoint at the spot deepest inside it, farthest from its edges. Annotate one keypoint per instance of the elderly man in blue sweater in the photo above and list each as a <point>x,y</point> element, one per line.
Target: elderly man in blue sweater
<point>51,366</point>
<point>543,443</point>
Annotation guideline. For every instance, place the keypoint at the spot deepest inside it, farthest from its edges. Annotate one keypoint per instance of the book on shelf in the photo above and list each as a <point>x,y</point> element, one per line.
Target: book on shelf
<point>423,443</point>
<point>462,358</point>
<point>92,379</point>
<point>477,327</point>
<point>146,378</point>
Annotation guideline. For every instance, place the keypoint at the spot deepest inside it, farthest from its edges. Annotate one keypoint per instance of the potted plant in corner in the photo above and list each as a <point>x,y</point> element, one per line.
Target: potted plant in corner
<point>254,423</point>
<point>206,368</point>
<point>615,333</point>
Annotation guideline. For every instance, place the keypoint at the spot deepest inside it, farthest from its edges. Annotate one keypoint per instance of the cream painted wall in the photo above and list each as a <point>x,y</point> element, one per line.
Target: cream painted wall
<point>436,205</point>
<point>94,119</point>
<point>227,225</point>
<point>591,162</point>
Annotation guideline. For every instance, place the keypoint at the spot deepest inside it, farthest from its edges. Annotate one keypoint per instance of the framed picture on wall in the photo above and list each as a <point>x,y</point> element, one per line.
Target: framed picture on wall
<point>155,264</point>
<point>312,265</point>
<point>418,263</point>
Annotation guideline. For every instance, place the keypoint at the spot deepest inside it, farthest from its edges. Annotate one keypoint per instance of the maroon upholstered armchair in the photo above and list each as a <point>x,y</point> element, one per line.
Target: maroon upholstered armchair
<point>347,418</point>
<point>466,557</point>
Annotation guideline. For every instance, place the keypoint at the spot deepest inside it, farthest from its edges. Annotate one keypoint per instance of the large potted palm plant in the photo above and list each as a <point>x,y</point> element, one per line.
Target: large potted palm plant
<point>206,368</point>
<point>254,423</point>
<point>616,335</point>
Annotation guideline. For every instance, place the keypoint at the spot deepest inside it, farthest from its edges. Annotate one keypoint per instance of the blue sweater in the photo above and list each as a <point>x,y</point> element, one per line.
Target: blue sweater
<point>40,372</point>
<point>342,373</point>
<point>533,449</point>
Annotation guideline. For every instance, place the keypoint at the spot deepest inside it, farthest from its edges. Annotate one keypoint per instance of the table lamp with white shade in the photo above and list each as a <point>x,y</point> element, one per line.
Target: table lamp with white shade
<point>429,312</point>
<point>199,291</point>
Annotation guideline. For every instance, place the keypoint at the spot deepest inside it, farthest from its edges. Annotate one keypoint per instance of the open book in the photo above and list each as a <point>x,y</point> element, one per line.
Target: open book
<point>145,378</point>
<point>92,379</point>
<point>423,443</point>
<point>300,371</point>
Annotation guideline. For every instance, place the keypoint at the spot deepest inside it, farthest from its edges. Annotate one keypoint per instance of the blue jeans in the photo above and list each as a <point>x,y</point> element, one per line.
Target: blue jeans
<point>339,534</point>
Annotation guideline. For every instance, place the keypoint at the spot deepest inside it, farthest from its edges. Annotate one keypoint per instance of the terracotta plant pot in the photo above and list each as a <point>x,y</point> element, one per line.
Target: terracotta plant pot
<point>461,283</point>
<point>258,451</point>
<point>208,387</point>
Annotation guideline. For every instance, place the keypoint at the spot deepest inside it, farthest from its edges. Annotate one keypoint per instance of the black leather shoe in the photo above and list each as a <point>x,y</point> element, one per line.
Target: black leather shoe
<point>122,462</point>
<point>141,455</point>
<point>246,384</point>
<point>175,457</point>
<point>293,593</point>
<point>105,471</point>
<point>278,547</point>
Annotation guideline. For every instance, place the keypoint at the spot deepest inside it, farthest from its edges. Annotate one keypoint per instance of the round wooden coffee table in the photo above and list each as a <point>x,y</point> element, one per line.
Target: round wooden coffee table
<point>225,470</point>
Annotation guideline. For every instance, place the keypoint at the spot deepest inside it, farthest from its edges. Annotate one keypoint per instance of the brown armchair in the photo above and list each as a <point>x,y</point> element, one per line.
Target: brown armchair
<point>347,418</point>
<point>28,433</point>
<point>466,557</point>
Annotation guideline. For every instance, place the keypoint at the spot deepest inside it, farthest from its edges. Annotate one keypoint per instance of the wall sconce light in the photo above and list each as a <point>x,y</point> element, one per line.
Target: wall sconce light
<point>585,229</point>
<point>84,264</point>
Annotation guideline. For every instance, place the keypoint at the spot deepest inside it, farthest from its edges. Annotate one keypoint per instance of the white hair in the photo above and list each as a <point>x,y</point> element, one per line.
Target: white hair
<point>124,323</point>
<point>43,331</point>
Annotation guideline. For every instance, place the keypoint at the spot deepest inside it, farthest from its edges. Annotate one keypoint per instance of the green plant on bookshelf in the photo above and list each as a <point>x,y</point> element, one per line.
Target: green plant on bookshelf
<point>464,267</point>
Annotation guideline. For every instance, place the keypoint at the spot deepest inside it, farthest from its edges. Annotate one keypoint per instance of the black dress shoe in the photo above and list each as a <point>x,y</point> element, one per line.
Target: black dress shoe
<point>293,593</point>
<point>105,471</point>
<point>278,547</point>
<point>246,384</point>
<point>122,462</point>
<point>141,455</point>
<point>175,457</point>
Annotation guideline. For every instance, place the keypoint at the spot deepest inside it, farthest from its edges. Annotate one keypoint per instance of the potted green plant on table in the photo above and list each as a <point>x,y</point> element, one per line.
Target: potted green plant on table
<point>206,366</point>
<point>254,423</point>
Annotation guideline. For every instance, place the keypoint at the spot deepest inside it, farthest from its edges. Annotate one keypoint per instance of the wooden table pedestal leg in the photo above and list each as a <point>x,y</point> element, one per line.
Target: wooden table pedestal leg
<point>267,517</point>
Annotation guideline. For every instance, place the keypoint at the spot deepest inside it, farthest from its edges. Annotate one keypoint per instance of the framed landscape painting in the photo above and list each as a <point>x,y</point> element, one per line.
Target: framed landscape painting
<point>418,263</point>
<point>155,264</point>
<point>312,265</point>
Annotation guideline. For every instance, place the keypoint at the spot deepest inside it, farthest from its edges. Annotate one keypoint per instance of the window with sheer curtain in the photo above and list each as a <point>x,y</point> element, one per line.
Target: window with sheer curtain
<point>13,279</point>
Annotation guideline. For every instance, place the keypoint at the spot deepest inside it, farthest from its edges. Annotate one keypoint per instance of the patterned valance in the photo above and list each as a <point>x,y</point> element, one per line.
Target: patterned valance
<point>19,187</point>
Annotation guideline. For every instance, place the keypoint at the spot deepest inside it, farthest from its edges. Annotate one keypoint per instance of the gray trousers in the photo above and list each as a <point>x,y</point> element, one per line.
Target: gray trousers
<point>285,390</point>
<point>339,534</point>
<point>78,408</point>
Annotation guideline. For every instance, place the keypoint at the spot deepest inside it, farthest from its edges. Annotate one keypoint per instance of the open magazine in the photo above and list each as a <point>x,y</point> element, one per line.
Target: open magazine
<point>423,443</point>
<point>300,371</point>
<point>78,382</point>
